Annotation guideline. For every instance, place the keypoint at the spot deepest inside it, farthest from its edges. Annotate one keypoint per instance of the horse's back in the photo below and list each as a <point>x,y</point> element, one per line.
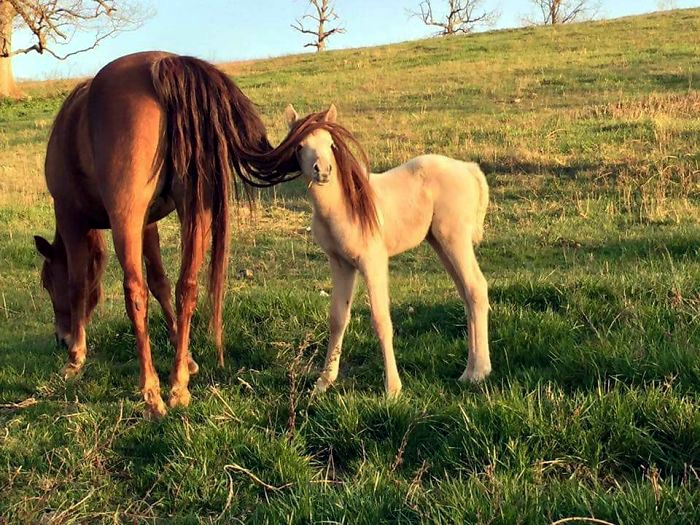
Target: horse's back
<point>105,142</point>
<point>123,109</point>
<point>126,123</point>
<point>68,156</point>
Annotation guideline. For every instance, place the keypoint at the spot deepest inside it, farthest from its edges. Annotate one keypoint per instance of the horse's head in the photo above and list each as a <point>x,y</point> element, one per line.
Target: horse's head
<point>315,149</point>
<point>54,278</point>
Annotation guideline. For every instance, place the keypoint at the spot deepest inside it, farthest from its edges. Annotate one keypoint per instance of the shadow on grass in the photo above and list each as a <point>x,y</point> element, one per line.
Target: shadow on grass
<point>517,166</point>
<point>676,247</point>
<point>573,335</point>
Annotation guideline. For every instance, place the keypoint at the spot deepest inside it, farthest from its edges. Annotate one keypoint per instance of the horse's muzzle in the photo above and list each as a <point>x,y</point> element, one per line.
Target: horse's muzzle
<point>61,341</point>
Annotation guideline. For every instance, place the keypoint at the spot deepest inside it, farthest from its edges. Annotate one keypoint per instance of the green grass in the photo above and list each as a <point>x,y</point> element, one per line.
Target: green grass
<point>590,138</point>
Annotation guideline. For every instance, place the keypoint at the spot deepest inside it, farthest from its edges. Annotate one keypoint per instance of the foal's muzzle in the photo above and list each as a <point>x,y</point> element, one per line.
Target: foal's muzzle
<point>321,177</point>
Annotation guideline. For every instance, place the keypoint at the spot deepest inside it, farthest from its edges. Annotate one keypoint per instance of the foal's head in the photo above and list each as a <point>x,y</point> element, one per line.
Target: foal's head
<point>315,148</point>
<point>54,279</point>
<point>328,153</point>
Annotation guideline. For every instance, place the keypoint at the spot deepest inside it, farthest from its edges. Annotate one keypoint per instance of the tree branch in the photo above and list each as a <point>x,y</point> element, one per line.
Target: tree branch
<point>461,16</point>
<point>324,13</point>
<point>563,11</point>
<point>54,23</point>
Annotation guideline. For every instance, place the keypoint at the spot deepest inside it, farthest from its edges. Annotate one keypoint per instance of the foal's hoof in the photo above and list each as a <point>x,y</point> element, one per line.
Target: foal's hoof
<point>475,375</point>
<point>192,366</point>
<point>394,391</point>
<point>321,386</point>
<point>71,370</point>
<point>155,408</point>
<point>179,397</point>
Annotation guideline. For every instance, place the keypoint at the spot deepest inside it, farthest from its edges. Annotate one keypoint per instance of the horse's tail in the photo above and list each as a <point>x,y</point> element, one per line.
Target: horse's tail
<point>209,121</point>
<point>478,234</point>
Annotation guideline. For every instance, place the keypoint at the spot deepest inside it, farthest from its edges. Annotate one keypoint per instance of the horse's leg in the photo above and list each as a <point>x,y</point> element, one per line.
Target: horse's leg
<point>343,278</point>
<point>96,267</point>
<point>457,254</point>
<point>78,254</point>
<point>128,245</point>
<point>375,272</point>
<point>186,301</point>
<point>159,284</point>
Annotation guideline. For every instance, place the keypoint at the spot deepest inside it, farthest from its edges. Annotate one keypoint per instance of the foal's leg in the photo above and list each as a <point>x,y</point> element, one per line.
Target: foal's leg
<point>159,284</point>
<point>77,252</point>
<point>128,245</point>
<point>457,255</point>
<point>186,302</point>
<point>376,274</point>
<point>343,277</point>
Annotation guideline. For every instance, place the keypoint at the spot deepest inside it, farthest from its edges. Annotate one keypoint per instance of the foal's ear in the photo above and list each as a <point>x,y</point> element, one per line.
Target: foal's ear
<point>331,114</point>
<point>43,247</point>
<point>290,116</point>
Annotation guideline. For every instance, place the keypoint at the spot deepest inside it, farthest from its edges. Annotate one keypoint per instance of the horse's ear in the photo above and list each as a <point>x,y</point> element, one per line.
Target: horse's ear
<point>43,247</point>
<point>290,116</point>
<point>331,114</point>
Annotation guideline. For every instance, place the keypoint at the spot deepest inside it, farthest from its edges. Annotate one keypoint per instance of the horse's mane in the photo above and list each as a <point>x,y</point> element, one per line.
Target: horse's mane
<point>352,161</point>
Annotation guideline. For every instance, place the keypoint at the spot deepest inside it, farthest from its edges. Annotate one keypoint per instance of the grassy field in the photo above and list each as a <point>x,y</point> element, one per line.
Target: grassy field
<point>590,138</point>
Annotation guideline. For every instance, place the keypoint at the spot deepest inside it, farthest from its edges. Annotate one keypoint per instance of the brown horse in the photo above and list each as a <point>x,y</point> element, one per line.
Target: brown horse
<point>151,133</point>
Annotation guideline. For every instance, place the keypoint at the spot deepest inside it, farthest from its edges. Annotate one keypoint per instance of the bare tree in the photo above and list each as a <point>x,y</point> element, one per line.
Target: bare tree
<point>51,26</point>
<point>666,5</point>
<point>324,13</point>
<point>563,11</point>
<point>461,16</point>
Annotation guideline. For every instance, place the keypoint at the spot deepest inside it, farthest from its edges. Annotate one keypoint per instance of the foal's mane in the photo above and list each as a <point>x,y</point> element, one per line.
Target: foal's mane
<point>352,161</point>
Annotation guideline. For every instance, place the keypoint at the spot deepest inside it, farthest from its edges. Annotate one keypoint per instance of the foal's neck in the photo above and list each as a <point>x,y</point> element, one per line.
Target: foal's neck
<point>328,200</point>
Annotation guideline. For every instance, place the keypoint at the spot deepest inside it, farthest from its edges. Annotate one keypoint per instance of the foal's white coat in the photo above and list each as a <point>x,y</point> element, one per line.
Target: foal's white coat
<point>431,198</point>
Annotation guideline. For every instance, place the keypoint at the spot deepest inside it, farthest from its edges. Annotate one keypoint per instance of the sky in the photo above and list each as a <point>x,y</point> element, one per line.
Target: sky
<point>228,30</point>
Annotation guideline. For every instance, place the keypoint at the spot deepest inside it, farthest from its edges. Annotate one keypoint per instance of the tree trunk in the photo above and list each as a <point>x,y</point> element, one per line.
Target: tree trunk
<point>7,79</point>
<point>554,12</point>
<point>321,40</point>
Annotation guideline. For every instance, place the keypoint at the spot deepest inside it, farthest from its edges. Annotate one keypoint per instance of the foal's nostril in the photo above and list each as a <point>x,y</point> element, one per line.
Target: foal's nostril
<point>317,169</point>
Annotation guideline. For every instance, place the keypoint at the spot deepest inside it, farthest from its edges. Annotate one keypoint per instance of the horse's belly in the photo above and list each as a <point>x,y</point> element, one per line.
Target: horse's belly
<point>160,207</point>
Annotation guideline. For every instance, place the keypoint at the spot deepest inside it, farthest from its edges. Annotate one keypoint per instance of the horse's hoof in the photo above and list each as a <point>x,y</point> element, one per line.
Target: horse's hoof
<point>155,407</point>
<point>153,413</point>
<point>71,371</point>
<point>155,410</point>
<point>192,366</point>
<point>179,397</point>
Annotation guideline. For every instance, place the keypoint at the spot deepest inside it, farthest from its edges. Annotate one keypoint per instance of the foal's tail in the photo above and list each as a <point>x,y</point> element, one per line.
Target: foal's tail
<point>209,123</point>
<point>478,234</point>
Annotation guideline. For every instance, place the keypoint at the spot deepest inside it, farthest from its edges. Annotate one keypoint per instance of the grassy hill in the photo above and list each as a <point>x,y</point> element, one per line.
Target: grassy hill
<point>590,138</point>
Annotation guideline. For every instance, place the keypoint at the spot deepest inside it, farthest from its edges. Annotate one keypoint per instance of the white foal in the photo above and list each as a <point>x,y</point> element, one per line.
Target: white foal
<point>431,198</point>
